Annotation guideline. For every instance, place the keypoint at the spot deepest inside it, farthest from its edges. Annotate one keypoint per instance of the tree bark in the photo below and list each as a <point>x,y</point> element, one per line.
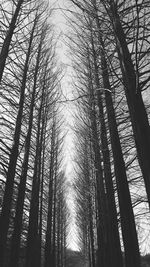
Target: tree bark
<point>54,213</point>
<point>48,243</point>
<point>33,237</point>
<point>102,224</point>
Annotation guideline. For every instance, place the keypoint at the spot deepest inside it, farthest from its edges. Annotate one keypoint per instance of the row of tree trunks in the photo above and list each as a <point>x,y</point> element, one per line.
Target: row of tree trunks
<point>136,106</point>
<point>114,246</point>
<point>94,49</point>
<point>126,212</point>
<point>5,214</point>
<point>24,216</point>
<point>14,258</point>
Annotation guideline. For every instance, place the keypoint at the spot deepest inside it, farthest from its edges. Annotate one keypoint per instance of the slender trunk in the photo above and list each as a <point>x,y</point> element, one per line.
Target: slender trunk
<point>48,243</point>
<point>101,197</point>
<point>5,214</point>
<point>33,238</point>
<point>64,257</point>
<point>42,181</point>
<point>58,237</point>
<point>41,215</point>
<point>62,231</point>
<point>87,179</point>
<point>7,41</point>
<point>54,217</point>
<point>89,252</point>
<point>40,204</point>
<point>34,211</point>
<point>102,224</point>
<point>40,165</point>
<point>91,234</point>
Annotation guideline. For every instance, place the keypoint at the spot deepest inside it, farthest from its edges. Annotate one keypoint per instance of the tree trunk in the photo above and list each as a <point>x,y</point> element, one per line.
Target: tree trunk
<point>91,234</point>
<point>54,216</point>
<point>58,237</point>
<point>33,237</point>
<point>42,143</point>
<point>48,243</point>
<point>102,223</point>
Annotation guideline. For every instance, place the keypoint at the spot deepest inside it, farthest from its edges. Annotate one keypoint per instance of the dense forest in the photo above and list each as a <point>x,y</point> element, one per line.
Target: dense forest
<point>108,50</point>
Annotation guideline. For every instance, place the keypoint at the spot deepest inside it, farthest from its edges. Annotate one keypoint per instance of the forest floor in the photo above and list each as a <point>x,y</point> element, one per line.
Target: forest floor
<point>76,259</point>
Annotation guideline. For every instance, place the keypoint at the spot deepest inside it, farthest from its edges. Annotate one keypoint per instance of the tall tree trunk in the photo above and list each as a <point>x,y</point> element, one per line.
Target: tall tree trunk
<point>33,238</point>
<point>89,251</point>
<point>91,234</point>
<point>64,257</point>
<point>7,41</point>
<point>88,182</point>
<point>48,243</point>
<point>7,200</point>
<point>58,237</point>
<point>54,214</point>
<point>132,255</point>
<point>103,258</point>
<point>136,106</point>
<point>102,224</point>
<point>42,142</point>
